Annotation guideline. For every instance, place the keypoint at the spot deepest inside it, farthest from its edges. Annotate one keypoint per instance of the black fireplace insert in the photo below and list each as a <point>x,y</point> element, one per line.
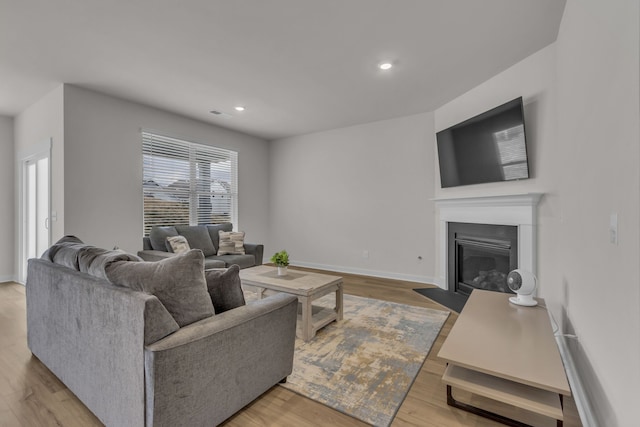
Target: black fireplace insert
<point>480,256</point>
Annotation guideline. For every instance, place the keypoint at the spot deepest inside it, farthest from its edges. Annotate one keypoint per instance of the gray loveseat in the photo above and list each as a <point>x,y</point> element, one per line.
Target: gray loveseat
<point>203,237</point>
<point>123,354</point>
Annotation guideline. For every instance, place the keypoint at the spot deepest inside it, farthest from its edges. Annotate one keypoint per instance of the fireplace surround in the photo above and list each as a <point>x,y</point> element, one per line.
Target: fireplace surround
<point>518,210</point>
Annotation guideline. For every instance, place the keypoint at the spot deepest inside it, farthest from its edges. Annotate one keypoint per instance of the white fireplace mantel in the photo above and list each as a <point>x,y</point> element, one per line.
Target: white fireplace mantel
<point>518,209</point>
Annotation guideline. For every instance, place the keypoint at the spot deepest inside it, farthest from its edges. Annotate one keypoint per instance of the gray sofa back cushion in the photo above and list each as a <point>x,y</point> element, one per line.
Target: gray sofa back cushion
<point>158,237</point>
<point>198,238</point>
<point>213,233</point>
<point>178,282</point>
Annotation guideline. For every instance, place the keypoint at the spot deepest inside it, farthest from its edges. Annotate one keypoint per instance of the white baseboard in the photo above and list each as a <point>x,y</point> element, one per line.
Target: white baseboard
<point>440,282</point>
<point>366,272</point>
<point>9,279</point>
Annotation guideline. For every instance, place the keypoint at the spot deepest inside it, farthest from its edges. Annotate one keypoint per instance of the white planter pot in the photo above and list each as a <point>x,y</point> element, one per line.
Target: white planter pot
<point>282,271</point>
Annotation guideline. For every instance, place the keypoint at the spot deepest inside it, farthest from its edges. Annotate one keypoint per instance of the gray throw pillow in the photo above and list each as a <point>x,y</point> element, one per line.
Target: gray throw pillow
<point>178,282</point>
<point>224,288</point>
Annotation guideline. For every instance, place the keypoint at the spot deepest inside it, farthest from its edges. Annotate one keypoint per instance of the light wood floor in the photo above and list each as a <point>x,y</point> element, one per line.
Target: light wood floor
<point>30,395</point>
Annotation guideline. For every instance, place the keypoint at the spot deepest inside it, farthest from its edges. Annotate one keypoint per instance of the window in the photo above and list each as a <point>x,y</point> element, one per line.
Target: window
<point>513,152</point>
<point>187,183</point>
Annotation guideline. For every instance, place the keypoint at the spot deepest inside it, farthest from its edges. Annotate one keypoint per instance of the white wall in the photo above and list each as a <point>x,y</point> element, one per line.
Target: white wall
<point>582,116</point>
<point>7,195</point>
<point>103,167</point>
<point>533,79</point>
<point>599,143</point>
<point>41,122</point>
<point>338,193</point>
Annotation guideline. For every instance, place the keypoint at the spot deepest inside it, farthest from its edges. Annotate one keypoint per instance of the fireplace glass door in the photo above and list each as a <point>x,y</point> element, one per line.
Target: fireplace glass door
<point>482,267</point>
<point>481,256</point>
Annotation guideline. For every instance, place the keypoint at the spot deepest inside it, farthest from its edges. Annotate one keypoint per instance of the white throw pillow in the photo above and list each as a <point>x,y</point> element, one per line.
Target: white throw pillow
<point>178,244</point>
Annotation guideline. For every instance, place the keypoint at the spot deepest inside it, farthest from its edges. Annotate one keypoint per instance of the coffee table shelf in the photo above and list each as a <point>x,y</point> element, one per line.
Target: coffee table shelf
<point>321,317</point>
<point>523,396</point>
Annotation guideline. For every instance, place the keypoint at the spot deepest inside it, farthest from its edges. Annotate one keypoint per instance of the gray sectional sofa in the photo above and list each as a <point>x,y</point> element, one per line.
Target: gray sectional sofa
<point>139,344</point>
<point>203,237</point>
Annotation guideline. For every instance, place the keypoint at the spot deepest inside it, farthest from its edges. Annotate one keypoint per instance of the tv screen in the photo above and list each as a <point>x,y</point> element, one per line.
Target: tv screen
<point>489,147</point>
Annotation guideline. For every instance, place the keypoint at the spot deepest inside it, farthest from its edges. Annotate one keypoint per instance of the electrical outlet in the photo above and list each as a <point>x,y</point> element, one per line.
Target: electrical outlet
<point>365,254</point>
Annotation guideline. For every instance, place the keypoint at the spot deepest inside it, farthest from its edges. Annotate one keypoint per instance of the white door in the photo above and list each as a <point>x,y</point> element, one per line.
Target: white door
<point>35,212</point>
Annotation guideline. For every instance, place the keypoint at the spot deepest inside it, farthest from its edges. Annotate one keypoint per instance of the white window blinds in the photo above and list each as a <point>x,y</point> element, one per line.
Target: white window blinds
<point>187,183</point>
<point>513,152</point>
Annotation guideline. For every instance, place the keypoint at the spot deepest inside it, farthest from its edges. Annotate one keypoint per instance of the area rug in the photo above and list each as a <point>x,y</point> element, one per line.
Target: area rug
<point>365,365</point>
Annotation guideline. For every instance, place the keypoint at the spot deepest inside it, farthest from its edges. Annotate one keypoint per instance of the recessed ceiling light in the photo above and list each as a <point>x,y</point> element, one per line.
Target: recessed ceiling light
<point>385,65</point>
<point>239,108</point>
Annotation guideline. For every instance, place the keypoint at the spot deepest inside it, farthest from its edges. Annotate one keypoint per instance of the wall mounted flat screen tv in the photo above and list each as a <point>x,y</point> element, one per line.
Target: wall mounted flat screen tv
<point>489,147</point>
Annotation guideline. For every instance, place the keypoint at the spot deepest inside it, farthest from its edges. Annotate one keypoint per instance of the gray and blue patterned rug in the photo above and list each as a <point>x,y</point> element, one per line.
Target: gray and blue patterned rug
<point>365,365</point>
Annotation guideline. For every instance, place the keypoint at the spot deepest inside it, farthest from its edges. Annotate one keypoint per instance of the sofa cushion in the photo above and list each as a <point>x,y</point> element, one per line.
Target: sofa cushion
<point>244,261</point>
<point>214,262</point>
<point>224,288</point>
<point>231,243</point>
<point>213,232</point>
<point>158,237</point>
<point>178,282</point>
<point>198,238</point>
<point>178,244</point>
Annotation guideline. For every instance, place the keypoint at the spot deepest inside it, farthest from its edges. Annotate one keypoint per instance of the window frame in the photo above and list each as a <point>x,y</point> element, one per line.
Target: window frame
<point>177,173</point>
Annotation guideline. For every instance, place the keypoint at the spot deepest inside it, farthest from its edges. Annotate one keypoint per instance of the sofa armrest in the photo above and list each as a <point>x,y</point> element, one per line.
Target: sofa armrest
<point>152,255</point>
<point>90,334</point>
<point>220,364</point>
<point>255,249</point>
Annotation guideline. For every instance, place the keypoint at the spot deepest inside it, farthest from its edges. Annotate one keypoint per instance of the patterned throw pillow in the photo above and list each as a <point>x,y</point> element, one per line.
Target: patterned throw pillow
<point>231,243</point>
<point>178,244</point>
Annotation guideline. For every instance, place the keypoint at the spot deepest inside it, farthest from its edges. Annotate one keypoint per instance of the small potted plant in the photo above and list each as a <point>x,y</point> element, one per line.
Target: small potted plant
<point>281,259</point>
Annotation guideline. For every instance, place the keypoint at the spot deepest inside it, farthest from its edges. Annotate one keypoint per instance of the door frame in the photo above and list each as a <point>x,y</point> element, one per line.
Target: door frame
<point>34,153</point>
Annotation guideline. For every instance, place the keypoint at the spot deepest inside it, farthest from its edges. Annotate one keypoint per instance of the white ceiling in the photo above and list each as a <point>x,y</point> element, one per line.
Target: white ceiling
<point>299,66</point>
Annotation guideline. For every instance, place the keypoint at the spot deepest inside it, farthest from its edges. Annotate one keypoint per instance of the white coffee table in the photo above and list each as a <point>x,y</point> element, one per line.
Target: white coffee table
<point>307,286</point>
